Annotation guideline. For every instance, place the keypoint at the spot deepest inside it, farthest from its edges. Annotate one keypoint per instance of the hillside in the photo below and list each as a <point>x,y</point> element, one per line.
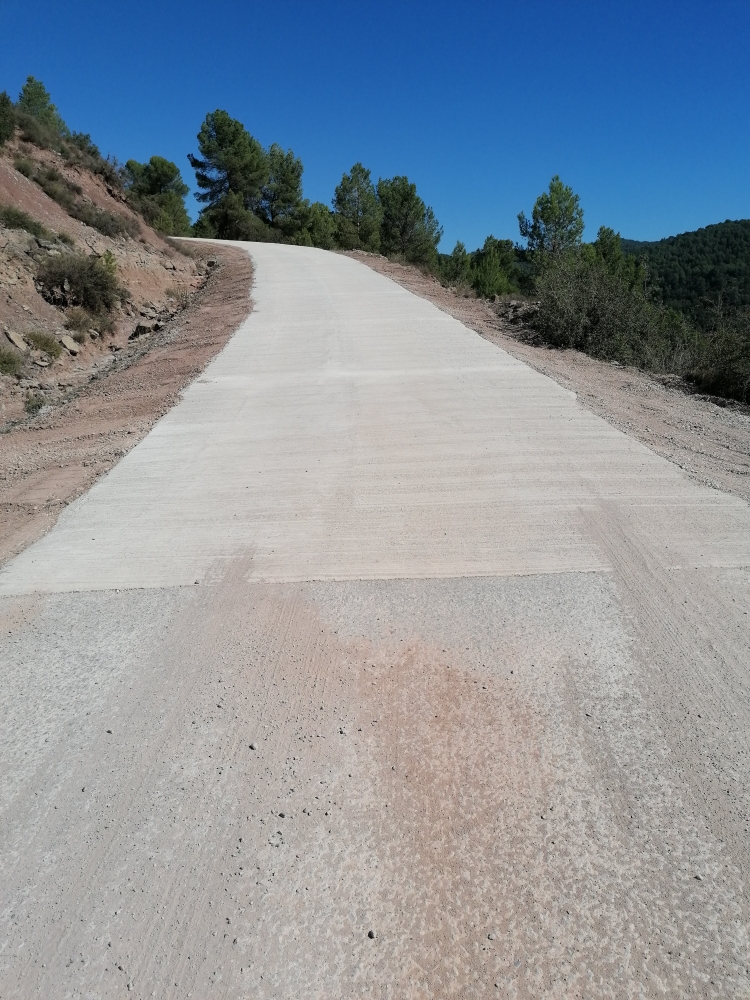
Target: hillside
<point>81,275</point>
<point>693,271</point>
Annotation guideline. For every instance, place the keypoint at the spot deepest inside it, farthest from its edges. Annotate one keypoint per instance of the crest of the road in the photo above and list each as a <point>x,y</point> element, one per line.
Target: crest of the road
<point>490,652</point>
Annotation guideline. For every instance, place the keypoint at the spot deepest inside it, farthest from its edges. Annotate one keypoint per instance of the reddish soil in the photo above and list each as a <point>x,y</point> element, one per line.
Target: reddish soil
<point>49,460</point>
<point>709,441</point>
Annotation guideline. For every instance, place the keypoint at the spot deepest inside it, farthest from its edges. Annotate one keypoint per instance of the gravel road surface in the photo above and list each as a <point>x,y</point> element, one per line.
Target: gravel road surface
<point>383,667</point>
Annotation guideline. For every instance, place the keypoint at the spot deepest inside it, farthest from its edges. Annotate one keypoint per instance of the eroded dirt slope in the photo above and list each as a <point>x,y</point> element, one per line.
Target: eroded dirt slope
<point>48,460</point>
<point>158,277</point>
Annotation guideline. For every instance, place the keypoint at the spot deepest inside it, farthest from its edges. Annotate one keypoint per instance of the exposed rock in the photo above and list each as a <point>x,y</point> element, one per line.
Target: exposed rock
<point>70,345</point>
<point>17,340</point>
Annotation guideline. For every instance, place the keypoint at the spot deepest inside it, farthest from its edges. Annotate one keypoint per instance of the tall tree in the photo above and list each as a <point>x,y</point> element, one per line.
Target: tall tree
<point>358,212</point>
<point>231,160</point>
<point>7,118</point>
<point>409,228</point>
<point>556,223</point>
<point>279,201</point>
<point>35,100</point>
<point>158,190</point>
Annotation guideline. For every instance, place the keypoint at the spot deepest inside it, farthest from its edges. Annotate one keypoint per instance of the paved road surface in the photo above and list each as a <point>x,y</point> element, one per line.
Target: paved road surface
<point>377,630</point>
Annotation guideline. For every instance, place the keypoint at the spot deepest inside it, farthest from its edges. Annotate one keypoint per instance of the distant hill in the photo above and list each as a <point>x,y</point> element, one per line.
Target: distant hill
<point>693,269</point>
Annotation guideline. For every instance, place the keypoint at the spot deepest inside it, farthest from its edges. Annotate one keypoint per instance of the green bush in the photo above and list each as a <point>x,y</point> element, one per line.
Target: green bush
<point>34,403</point>
<point>7,119</point>
<point>44,342</point>
<point>156,190</point>
<point>592,305</point>
<point>75,280</point>
<point>11,361</point>
<point>107,223</point>
<point>15,218</point>
<point>24,166</point>
<point>724,366</point>
<point>35,102</point>
<point>493,268</point>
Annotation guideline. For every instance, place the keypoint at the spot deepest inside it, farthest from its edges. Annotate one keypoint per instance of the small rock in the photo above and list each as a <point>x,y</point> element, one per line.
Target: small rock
<point>252,746</point>
<point>70,345</point>
<point>17,340</point>
<point>371,935</point>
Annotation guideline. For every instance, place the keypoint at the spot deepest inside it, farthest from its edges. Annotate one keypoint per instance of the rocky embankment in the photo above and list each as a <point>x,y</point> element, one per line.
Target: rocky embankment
<point>51,345</point>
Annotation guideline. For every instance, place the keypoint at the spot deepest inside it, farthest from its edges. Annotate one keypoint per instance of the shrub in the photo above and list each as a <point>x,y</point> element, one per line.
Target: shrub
<point>78,319</point>
<point>34,403</point>
<point>7,119</point>
<point>35,101</point>
<point>75,280</point>
<point>724,367</point>
<point>15,218</point>
<point>24,166</point>
<point>55,186</point>
<point>107,223</point>
<point>180,295</point>
<point>11,361</point>
<point>44,342</point>
<point>36,132</point>
<point>589,305</point>
<point>67,239</point>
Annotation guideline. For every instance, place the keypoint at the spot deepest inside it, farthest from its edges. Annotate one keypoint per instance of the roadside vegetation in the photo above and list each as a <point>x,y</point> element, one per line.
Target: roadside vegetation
<point>681,305</point>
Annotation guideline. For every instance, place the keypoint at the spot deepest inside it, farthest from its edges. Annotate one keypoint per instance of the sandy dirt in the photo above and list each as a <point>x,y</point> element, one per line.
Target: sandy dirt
<point>459,707</point>
<point>49,460</point>
<point>710,442</point>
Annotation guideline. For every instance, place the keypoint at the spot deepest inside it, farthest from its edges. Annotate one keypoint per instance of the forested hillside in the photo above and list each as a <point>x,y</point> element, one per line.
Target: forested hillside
<point>694,271</point>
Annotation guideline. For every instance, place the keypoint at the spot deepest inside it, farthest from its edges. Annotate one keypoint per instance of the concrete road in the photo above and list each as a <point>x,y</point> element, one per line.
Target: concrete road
<point>380,666</point>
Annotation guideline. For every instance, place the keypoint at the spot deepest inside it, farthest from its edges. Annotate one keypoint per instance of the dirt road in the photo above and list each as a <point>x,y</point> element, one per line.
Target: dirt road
<point>380,666</point>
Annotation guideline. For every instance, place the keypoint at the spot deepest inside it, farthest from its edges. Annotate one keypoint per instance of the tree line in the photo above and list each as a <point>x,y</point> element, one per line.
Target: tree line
<point>680,305</point>
<point>252,193</point>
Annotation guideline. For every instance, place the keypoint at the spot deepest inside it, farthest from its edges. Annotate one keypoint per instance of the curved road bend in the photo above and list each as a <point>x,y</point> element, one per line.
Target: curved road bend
<point>378,630</point>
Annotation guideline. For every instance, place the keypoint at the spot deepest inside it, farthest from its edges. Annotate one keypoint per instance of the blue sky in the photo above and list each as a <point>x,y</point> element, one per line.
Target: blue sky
<point>643,107</point>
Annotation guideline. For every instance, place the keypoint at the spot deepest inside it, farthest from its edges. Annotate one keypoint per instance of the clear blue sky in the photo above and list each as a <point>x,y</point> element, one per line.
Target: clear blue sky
<point>643,106</point>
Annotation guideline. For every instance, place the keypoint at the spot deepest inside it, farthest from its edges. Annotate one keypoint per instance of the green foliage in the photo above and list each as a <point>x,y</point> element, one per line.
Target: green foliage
<point>319,227</point>
<point>695,271</point>
<point>7,119</point>
<point>78,319</point>
<point>280,201</point>
<point>66,193</point>
<point>409,228</point>
<point>231,161</point>
<point>35,101</point>
<point>107,223</point>
<point>250,193</point>
<point>11,361</point>
<point>228,219</point>
<point>724,366</point>
<point>493,268</point>
<point>556,223</point>
<point>24,166</point>
<point>358,211</point>
<point>156,190</point>
<point>75,280</point>
<point>78,149</point>
<point>33,403</point>
<point>455,267</point>
<point>588,300</point>
<point>44,342</point>
<point>16,218</point>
